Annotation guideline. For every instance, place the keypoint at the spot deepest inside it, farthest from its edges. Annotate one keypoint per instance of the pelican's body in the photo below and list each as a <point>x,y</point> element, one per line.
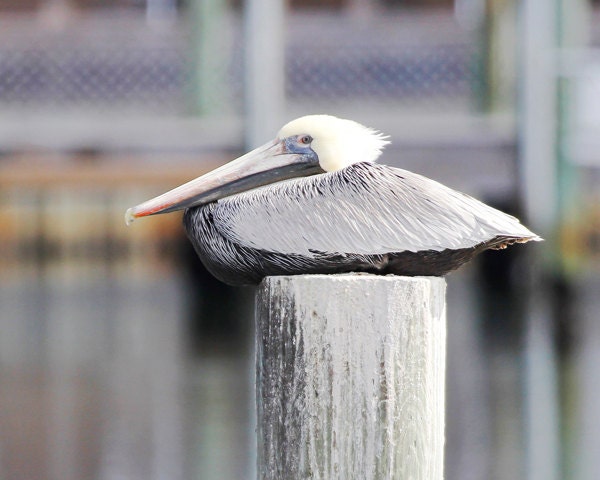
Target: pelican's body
<point>341,215</point>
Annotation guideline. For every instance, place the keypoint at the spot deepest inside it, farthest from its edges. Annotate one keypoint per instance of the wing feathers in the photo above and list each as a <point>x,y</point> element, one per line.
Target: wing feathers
<point>362,209</point>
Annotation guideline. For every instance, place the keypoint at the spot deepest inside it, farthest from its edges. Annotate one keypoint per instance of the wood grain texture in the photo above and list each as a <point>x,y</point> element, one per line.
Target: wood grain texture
<point>350,377</point>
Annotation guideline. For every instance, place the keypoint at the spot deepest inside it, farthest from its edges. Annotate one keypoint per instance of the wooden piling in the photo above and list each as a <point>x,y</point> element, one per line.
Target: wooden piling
<point>350,377</point>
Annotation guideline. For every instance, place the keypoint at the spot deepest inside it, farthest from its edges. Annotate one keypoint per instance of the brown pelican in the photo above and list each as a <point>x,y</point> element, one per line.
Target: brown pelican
<point>313,201</point>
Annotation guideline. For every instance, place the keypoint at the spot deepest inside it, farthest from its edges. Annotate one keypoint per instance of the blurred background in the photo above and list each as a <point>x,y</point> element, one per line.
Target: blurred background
<point>121,358</point>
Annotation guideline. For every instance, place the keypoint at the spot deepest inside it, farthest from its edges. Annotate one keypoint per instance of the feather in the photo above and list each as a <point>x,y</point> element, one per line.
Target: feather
<point>364,209</point>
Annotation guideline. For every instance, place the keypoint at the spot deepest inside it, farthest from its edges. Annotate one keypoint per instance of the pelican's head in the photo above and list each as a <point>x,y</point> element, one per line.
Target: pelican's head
<point>336,142</point>
<point>306,146</point>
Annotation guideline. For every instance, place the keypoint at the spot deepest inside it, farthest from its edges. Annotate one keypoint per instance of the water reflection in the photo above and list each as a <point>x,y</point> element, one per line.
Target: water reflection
<point>94,379</point>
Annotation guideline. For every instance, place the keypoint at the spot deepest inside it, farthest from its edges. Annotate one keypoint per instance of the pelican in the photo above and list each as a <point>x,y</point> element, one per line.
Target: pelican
<point>314,201</point>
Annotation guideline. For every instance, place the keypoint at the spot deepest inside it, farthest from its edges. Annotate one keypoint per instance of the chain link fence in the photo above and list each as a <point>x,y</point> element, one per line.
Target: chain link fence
<point>430,74</point>
<point>136,78</point>
<point>130,66</point>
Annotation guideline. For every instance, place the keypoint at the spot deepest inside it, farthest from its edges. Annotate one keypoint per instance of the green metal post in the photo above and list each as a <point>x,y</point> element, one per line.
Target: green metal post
<point>207,91</point>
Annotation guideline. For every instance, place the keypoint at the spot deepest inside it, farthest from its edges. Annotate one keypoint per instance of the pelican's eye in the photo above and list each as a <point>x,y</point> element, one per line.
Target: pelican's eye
<point>305,139</point>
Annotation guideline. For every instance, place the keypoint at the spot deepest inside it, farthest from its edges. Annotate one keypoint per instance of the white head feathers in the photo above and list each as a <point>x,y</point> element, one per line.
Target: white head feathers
<point>337,142</point>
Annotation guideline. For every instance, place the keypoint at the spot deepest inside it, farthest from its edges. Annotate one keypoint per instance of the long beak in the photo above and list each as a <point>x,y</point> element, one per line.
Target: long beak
<point>267,164</point>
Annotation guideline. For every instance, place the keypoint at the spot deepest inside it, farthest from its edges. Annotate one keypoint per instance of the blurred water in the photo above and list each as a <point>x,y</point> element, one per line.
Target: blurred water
<point>89,366</point>
<point>95,377</point>
<point>94,384</point>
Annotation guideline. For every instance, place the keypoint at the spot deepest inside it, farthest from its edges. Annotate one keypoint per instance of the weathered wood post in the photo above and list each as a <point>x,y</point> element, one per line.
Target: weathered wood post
<point>350,377</point>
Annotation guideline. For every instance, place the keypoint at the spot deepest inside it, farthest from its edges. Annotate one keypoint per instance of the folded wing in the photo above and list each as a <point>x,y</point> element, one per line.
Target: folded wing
<point>363,209</point>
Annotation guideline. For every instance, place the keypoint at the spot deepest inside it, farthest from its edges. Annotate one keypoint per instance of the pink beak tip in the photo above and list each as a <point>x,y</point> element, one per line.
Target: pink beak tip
<point>130,216</point>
